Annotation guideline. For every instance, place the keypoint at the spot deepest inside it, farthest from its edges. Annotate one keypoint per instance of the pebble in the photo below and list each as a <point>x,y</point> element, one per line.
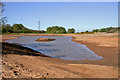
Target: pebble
<point>15,73</point>
<point>11,68</point>
<point>47,74</point>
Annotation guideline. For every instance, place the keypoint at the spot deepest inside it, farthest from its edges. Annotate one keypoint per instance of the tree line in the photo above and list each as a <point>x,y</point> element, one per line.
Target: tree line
<point>59,30</point>
<point>19,28</point>
<point>106,30</point>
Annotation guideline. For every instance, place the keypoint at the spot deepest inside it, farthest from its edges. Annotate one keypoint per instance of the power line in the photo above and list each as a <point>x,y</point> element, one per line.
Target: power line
<point>39,25</point>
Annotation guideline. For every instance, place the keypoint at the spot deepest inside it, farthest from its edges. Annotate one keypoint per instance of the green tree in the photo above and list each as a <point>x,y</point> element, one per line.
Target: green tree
<point>6,28</point>
<point>103,30</point>
<point>95,30</point>
<point>55,29</point>
<point>18,28</point>
<point>49,30</point>
<point>71,30</point>
<point>61,30</point>
<point>86,31</point>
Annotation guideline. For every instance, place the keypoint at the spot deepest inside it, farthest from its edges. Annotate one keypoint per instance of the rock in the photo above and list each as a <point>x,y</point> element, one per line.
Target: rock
<point>15,72</point>
<point>21,65</point>
<point>11,68</point>
<point>47,74</point>
<point>4,63</point>
<point>17,66</point>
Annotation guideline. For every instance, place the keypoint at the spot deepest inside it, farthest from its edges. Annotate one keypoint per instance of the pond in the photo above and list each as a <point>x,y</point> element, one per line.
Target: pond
<point>62,47</point>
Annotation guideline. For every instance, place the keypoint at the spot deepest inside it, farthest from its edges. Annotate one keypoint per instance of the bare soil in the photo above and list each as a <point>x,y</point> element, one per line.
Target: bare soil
<point>21,62</point>
<point>44,39</point>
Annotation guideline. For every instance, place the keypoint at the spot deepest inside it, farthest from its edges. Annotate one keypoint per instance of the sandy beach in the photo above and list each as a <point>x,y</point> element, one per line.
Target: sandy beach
<point>36,65</point>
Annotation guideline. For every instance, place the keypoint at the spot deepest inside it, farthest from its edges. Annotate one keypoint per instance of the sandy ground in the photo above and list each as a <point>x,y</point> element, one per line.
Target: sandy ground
<point>24,66</point>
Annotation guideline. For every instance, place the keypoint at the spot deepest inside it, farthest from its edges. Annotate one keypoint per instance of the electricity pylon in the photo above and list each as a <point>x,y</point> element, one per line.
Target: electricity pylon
<point>39,25</point>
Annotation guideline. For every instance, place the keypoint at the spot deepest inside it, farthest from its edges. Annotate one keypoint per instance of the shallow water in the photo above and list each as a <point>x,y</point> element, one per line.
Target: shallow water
<point>62,47</point>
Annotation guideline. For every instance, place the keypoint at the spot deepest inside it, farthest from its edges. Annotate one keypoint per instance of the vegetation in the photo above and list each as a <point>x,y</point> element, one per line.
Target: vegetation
<point>17,28</point>
<point>108,30</point>
<point>59,30</point>
<point>56,29</point>
<point>71,30</point>
<point>85,32</point>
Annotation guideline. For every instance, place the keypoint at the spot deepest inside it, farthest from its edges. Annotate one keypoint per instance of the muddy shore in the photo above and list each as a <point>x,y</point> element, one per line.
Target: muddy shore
<point>109,53</point>
<point>110,59</point>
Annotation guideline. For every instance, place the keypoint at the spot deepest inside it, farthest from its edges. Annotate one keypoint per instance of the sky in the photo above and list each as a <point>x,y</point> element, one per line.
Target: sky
<point>60,0</point>
<point>79,15</point>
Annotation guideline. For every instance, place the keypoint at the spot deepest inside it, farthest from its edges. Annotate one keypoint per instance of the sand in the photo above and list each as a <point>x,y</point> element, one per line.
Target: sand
<point>26,66</point>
